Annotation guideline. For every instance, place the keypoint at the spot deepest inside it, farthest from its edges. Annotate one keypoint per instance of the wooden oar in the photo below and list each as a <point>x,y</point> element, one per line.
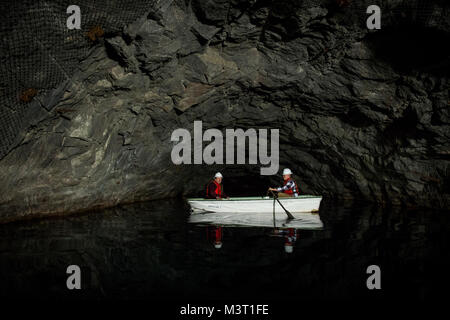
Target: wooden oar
<point>290,216</point>
<point>274,223</point>
<point>267,195</point>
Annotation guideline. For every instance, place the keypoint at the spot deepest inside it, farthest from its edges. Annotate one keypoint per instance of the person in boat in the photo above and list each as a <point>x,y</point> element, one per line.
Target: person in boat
<point>214,189</point>
<point>289,189</point>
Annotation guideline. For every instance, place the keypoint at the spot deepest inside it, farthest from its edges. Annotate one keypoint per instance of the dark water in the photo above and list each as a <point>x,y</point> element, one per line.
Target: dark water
<point>150,251</point>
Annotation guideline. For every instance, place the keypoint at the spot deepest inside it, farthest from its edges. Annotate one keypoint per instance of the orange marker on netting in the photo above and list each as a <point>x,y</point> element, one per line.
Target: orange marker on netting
<point>95,33</point>
<point>28,95</point>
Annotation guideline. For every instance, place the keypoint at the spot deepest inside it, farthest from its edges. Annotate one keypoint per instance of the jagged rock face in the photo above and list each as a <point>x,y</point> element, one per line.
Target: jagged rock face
<point>361,114</point>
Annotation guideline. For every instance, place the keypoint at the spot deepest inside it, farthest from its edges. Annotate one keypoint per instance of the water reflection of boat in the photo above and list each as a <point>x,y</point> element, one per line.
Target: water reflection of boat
<point>304,221</point>
<point>303,203</point>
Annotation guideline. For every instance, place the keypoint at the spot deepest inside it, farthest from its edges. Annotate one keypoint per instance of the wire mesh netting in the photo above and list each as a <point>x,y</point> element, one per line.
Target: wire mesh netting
<point>38,52</point>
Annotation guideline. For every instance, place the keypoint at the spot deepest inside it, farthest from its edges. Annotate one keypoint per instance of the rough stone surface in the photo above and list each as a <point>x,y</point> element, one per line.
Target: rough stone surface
<point>361,114</point>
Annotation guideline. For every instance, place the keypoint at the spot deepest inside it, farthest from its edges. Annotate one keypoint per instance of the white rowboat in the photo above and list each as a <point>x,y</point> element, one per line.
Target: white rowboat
<point>303,203</point>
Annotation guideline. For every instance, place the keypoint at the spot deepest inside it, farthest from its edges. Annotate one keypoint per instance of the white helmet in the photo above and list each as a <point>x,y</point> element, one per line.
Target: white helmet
<point>287,171</point>
<point>288,248</point>
<point>218,175</point>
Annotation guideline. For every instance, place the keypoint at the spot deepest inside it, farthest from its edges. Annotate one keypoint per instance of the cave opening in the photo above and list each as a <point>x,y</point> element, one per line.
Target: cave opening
<point>249,185</point>
<point>237,182</point>
<point>410,48</point>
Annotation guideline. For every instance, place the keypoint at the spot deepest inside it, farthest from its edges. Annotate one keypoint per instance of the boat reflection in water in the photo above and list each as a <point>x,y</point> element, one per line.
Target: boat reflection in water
<point>280,225</point>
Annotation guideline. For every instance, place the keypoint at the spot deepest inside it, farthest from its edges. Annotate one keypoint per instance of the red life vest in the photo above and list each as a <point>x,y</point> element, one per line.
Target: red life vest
<point>291,191</point>
<point>218,189</point>
<point>218,234</point>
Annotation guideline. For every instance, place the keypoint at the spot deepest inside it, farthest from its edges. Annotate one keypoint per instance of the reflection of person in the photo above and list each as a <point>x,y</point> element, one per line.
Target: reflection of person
<point>289,239</point>
<point>214,189</point>
<point>218,238</point>
<point>289,189</point>
<point>290,236</point>
<point>216,234</point>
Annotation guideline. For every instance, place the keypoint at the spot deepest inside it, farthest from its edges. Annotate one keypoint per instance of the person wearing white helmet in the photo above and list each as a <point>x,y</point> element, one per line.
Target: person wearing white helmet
<point>214,189</point>
<point>289,189</point>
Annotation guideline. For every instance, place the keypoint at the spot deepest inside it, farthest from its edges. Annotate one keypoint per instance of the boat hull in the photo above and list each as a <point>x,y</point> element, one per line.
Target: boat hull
<point>256,204</point>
